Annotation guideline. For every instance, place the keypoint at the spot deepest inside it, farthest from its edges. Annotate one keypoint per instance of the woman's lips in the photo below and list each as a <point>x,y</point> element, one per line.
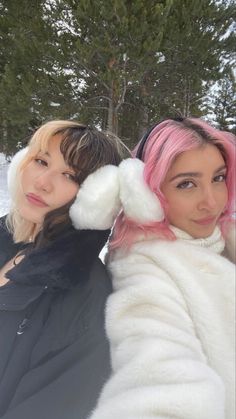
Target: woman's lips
<point>36,200</point>
<point>206,221</point>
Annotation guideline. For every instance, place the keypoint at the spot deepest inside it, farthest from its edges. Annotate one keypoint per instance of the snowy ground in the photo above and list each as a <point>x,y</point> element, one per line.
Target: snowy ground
<point>4,196</point>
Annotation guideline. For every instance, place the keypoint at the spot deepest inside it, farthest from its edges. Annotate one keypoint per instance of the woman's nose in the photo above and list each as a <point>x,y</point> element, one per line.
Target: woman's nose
<point>208,200</point>
<point>43,182</point>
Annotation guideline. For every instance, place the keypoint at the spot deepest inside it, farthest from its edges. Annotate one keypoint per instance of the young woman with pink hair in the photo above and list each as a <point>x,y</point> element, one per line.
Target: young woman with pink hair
<point>170,319</point>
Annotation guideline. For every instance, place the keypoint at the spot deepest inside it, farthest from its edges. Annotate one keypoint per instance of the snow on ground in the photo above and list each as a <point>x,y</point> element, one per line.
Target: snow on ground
<point>4,196</point>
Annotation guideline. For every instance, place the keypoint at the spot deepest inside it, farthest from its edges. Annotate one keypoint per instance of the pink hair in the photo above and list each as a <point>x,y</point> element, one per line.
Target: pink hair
<point>166,141</point>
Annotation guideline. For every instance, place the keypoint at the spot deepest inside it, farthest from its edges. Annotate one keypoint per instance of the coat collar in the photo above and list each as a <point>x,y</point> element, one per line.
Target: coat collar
<point>61,265</point>
<point>215,242</point>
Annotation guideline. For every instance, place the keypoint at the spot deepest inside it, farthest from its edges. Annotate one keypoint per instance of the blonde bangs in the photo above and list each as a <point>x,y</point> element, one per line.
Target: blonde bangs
<point>40,139</point>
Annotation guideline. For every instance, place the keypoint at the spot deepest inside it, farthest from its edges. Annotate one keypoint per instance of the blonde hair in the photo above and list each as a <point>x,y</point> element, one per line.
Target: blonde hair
<point>84,148</point>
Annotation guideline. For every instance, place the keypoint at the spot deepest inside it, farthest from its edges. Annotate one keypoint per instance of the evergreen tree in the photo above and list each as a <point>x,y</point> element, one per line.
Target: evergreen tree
<point>120,65</point>
<point>193,52</point>
<point>111,45</point>
<point>32,83</point>
<point>221,103</point>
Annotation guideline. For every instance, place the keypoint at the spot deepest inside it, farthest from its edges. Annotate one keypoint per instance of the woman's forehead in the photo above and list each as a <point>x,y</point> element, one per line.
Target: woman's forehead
<point>203,158</point>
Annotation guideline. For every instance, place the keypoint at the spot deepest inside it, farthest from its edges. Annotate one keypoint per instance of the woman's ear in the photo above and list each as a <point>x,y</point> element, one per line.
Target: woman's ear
<point>139,203</point>
<point>97,203</point>
<point>13,170</point>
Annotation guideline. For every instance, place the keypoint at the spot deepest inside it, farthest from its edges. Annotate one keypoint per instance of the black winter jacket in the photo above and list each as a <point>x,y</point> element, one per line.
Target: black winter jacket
<point>54,356</point>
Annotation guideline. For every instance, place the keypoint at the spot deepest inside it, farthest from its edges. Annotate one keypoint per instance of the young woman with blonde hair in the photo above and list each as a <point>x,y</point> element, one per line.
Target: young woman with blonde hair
<point>54,353</point>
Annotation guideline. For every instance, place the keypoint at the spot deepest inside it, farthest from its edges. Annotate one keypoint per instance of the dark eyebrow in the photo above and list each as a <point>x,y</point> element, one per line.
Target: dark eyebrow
<point>195,174</point>
<point>224,167</point>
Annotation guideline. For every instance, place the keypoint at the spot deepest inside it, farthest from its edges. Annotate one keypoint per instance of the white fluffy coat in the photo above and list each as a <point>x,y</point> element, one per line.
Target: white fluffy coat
<point>170,322</point>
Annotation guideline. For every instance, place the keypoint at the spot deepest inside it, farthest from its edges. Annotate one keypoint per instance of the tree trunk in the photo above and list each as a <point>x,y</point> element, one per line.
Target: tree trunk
<point>143,127</point>
<point>112,119</point>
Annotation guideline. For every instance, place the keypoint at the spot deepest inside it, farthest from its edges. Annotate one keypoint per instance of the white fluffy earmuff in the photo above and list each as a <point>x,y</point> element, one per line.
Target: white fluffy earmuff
<point>12,173</point>
<point>97,203</point>
<point>139,203</point>
<point>104,192</point>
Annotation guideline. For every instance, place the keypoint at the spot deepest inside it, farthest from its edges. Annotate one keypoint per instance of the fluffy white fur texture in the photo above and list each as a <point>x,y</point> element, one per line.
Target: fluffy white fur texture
<point>13,169</point>
<point>170,322</point>
<point>139,203</point>
<point>97,203</point>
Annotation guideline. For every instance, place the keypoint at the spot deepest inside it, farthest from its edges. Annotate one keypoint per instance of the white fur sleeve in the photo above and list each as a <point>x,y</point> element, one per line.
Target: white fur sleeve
<point>159,368</point>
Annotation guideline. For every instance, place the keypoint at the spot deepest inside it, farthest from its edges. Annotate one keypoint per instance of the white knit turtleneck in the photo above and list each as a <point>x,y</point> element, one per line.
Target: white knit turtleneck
<point>215,241</point>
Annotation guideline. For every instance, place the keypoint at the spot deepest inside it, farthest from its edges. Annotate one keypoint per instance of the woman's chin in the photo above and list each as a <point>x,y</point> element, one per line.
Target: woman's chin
<point>30,215</point>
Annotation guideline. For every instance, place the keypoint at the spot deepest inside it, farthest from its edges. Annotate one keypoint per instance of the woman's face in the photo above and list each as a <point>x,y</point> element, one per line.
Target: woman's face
<point>47,183</point>
<point>195,190</point>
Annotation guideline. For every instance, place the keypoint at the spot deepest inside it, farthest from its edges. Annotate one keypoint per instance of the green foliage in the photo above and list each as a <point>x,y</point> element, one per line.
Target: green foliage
<point>221,103</point>
<point>112,45</point>
<point>120,65</point>
<point>32,82</point>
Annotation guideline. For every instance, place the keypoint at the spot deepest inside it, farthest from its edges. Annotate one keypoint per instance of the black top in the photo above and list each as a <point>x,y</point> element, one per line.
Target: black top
<point>54,353</point>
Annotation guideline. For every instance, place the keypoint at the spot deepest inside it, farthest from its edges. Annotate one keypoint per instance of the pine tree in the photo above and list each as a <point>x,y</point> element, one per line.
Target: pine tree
<point>32,83</point>
<point>221,103</point>
<point>120,65</point>
<point>193,50</point>
<point>111,45</point>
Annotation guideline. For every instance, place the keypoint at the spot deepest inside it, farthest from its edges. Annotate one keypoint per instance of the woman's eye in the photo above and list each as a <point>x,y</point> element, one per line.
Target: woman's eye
<point>41,162</point>
<point>186,184</point>
<point>220,178</point>
<point>70,176</point>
